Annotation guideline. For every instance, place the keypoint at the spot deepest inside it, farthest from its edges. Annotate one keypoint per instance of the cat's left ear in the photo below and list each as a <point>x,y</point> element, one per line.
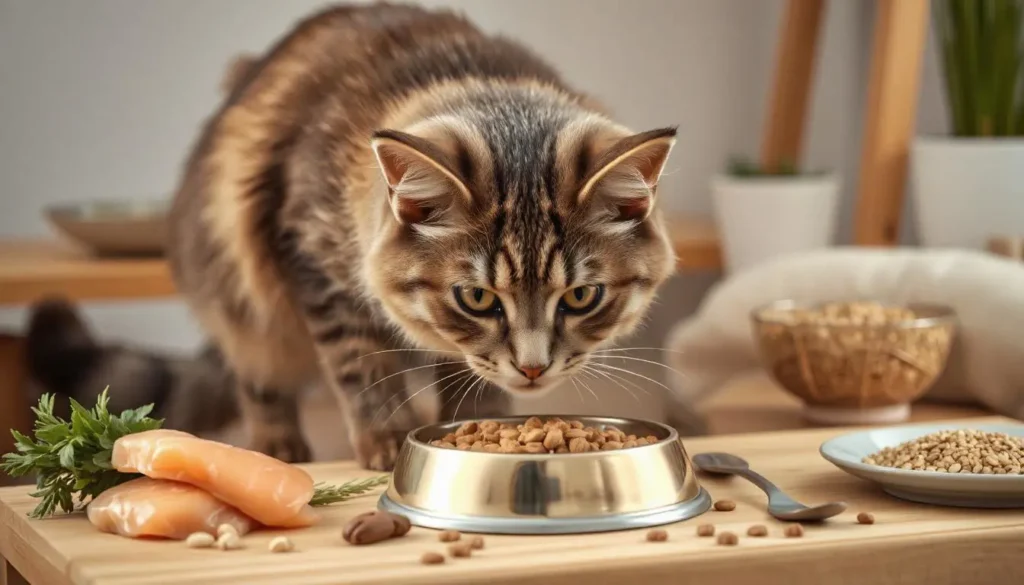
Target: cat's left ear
<point>422,183</point>
<point>623,181</point>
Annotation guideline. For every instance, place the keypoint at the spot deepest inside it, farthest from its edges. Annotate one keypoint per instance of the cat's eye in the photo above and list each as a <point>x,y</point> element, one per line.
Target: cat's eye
<point>582,299</point>
<point>477,301</point>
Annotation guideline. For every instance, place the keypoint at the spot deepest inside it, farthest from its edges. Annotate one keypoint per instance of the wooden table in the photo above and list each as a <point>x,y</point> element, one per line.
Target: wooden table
<point>910,543</point>
<point>754,403</point>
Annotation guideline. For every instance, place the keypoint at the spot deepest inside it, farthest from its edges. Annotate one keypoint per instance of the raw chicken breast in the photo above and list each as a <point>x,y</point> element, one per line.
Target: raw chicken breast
<point>163,509</point>
<point>268,490</point>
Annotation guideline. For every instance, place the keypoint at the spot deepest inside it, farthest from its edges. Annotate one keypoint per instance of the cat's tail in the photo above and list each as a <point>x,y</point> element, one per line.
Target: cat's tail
<point>193,394</point>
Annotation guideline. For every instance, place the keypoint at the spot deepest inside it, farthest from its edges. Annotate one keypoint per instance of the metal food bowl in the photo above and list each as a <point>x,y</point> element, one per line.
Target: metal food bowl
<point>114,228</point>
<point>520,493</point>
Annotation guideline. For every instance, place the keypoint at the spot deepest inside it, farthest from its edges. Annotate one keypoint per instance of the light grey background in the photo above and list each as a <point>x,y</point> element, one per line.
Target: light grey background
<point>103,98</point>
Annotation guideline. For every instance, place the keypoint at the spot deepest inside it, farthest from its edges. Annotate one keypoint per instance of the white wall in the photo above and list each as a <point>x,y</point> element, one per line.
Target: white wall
<point>103,98</point>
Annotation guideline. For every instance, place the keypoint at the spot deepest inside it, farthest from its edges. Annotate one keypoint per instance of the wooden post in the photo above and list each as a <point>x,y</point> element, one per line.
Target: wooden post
<point>791,89</point>
<point>900,33</point>
<point>14,409</point>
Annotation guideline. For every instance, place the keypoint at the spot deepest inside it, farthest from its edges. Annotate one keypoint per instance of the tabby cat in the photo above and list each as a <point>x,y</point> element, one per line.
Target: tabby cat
<point>389,178</point>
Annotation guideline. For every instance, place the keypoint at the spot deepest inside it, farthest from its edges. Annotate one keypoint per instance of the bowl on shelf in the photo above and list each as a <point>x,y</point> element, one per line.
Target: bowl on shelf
<point>546,493</point>
<point>858,362</point>
<point>114,227</point>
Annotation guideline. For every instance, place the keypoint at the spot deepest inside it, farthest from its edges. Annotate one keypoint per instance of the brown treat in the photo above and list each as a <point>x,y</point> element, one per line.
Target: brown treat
<point>794,531</point>
<point>435,443</point>
<point>533,423</point>
<point>630,438</point>
<point>513,448</point>
<point>611,446</point>
<point>461,549</point>
<point>450,437</point>
<point>449,536</point>
<point>508,434</point>
<point>402,525</point>
<point>467,428</point>
<point>657,535</point>
<point>507,427</point>
<point>576,434</point>
<point>579,445</point>
<point>562,449</point>
<point>478,446</point>
<point>489,426</point>
<point>492,447</point>
<point>534,436</point>
<point>641,442</point>
<point>651,439</point>
<point>554,439</point>
<point>628,444</point>
<point>490,437</point>
<point>706,530</point>
<point>757,530</point>
<point>445,445</point>
<point>370,527</point>
<point>594,446</point>
<point>576,425</point>
<point>432,558</point>
<point>725,505</point>
<point>476,542</point>
<point>465,439</point>
<point>462,447</point>
<point>535,448</point>
<point>865,518</point>
<point>728,539</point>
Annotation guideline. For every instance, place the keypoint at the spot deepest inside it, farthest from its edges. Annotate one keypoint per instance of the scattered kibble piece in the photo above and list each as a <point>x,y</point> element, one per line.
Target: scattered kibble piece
<point>449,536</point>
<point>375,526</point>
<point>865,518</point>
<point>477,542</point>
<point>706,530</point>
<point>536,436</point>
<point>226,528</point>
<point>757,530</point>
<point>462,550</point>
<point>728,539</point>
<point>725,505</point>
<point>657,535</point>
<point>200,540</point>
<point>432,558</point>
<point>794,531</point>
<point>956,451</point>
<point>229,541</point>
<point>280,544</point>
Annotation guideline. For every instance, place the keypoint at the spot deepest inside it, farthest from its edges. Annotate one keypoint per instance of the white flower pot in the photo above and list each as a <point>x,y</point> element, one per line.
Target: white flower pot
<point>763,217</point>
<point>967,190</point>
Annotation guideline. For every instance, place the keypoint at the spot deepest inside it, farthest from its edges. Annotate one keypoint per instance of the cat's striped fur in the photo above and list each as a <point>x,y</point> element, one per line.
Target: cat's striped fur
<point>372,162</point>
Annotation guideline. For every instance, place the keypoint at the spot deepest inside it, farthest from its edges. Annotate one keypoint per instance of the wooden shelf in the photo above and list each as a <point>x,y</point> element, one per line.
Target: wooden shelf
<point>30,269</point>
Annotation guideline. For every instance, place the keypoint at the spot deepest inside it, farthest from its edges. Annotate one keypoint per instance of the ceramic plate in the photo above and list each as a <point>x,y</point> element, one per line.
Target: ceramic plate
<point>929,487</point>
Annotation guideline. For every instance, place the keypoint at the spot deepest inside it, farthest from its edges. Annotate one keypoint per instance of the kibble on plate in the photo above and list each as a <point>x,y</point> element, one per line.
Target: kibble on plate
<point>956,451</point>
<point>535,436</point>
<point>725,505</point>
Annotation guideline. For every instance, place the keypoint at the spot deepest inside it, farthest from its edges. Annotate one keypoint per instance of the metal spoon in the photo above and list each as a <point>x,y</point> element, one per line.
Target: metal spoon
<point>780,505</point>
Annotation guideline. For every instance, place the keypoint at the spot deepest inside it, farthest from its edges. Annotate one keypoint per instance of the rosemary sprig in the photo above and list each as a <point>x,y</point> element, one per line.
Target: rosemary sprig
<point>72,459</point>
<point>324,495</point>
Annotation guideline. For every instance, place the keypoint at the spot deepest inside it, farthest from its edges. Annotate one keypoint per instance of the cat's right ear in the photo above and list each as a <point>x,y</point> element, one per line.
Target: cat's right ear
<point>422,185</point>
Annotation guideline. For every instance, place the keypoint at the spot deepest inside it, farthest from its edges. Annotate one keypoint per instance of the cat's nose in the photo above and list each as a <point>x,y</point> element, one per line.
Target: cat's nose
<point>532,372</point>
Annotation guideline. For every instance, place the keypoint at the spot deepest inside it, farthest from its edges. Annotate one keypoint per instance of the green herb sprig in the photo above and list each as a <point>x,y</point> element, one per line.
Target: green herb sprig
<point>72,459</point>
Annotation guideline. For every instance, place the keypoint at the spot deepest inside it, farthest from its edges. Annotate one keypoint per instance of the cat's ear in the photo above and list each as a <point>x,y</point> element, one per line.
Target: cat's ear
<point>422,185</point>
<point>622,183</point>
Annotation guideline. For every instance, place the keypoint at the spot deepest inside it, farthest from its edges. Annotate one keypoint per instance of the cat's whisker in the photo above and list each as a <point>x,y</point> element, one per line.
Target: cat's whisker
<point>405,350</point>
<point>455,415</point>
<point>591,390</point>
<point>616,349</point>
<point>636,359</point>
<point>413,369</point>
<point>652,380</point>
<point>627,381</point>
<point>621,385</point>
<point>578,393</point>
<point>457,390</point>
<point>413,395</point>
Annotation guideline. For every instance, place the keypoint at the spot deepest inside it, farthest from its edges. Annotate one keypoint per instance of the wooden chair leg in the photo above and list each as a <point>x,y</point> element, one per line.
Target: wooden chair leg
<point>791,89</point>
<point>14,410</point>
<point>900,32</point>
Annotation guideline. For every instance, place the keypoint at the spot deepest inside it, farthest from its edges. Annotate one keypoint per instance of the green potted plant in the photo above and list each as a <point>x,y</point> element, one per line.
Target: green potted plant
<point>969,186</point>
<point>763,212</point>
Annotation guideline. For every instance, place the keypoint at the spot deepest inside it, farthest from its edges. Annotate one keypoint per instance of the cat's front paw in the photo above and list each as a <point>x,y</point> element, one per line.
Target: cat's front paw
<point>288,446</point>
<point>378,449</point>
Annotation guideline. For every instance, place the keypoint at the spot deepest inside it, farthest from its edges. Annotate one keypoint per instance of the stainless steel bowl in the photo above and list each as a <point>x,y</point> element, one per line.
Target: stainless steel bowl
<point>114,228</point>
<point>505,493</point>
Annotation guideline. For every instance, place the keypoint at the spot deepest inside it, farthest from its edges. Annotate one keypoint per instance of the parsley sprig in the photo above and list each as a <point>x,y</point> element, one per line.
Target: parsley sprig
<point>72,459</point>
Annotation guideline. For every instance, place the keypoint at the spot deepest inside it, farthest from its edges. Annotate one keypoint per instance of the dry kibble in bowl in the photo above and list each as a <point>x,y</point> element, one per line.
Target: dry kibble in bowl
<point>537,436</point>
<point>956,451</point>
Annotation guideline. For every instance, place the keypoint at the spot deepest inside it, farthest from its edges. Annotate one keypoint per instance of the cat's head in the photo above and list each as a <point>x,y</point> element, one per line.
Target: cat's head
<point>520,231</point>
